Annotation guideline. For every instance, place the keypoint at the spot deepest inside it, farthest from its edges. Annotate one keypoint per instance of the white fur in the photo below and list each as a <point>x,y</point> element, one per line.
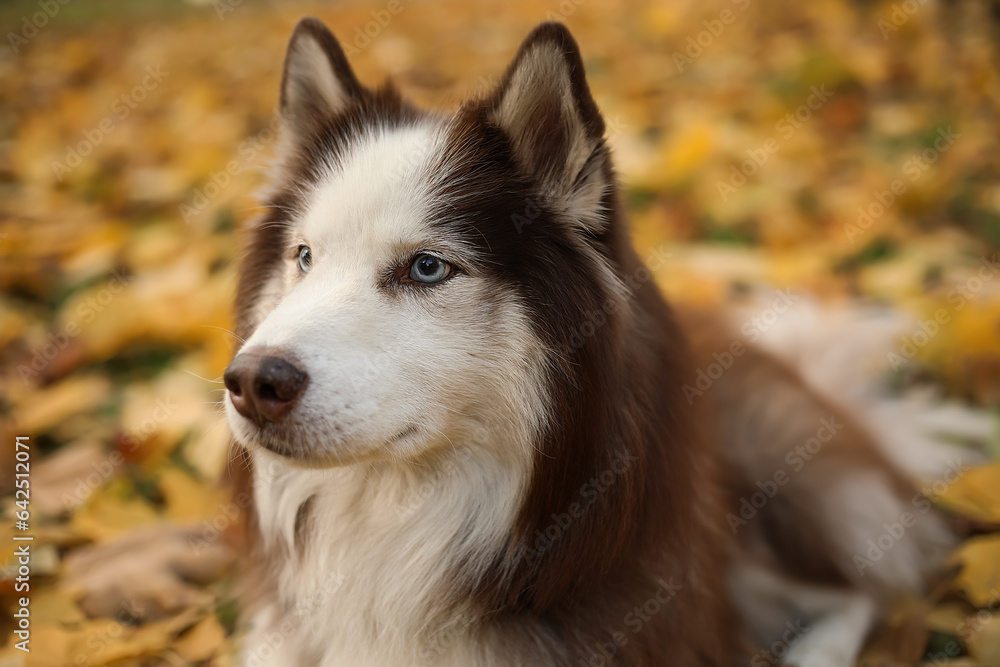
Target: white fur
<point>885,544</point>
<point>377,553</point>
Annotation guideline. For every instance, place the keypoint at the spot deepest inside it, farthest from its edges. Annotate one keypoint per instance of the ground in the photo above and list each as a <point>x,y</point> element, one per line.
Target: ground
<point>848,150</point>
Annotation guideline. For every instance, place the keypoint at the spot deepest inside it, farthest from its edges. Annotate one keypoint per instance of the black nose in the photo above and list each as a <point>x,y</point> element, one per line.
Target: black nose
<point>264,386</point>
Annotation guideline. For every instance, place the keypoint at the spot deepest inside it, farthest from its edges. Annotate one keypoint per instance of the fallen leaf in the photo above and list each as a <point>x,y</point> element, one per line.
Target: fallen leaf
<point>67,478</point>
<point>151,572</point>
<point>105,642</point>
<point>41,410</point>
<point>55,606</point>
<point>202,641</point>
<point>979,578</point>
<point>187,498</point>
<point>106,516</point>
<point>976,494</point>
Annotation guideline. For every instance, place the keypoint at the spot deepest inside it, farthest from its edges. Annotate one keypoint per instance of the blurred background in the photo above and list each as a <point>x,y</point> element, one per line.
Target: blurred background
<point>848,150</point>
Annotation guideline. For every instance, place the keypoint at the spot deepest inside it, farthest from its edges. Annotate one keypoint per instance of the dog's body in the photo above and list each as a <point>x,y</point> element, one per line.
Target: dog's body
<point>471,417</point>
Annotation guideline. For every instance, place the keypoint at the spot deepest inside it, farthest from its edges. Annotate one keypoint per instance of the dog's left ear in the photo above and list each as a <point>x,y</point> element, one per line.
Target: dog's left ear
<point>318,82</point>
<point>557,134</point>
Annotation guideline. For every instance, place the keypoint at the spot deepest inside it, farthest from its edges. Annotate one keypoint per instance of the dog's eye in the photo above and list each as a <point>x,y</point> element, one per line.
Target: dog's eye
<point>428,269</point>
<point>305,259</point>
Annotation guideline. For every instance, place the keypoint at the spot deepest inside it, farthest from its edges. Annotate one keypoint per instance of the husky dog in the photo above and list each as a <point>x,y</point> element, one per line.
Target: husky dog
<point>475,431</point>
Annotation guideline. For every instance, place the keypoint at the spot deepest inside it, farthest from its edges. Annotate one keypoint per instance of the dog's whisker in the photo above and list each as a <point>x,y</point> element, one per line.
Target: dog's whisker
<point>216,381</point>
<point>223,329</point>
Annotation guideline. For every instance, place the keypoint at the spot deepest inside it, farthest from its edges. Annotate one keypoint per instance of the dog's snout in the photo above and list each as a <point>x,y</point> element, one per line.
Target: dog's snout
<point>263,385</point>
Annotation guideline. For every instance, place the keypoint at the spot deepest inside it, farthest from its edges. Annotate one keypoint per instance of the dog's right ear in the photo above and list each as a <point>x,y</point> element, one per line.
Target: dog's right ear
<point>556,132</point>
<point>318,82</point>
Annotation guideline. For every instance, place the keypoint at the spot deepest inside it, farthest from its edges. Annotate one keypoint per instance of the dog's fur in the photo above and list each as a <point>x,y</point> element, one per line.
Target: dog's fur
<point>506,468</point>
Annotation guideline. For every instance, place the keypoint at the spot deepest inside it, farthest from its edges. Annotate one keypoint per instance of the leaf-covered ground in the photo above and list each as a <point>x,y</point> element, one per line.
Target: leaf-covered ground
<point>844,149</point>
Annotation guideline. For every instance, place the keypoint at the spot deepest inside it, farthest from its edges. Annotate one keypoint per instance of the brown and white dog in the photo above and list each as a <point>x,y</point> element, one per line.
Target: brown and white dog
<point>472,423</point>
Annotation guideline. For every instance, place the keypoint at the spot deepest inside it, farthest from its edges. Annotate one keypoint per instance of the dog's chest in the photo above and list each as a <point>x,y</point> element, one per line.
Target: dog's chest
<point>362,569</point>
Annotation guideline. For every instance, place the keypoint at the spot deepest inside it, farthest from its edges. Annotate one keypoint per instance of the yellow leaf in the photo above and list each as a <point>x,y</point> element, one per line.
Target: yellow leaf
<point>12,323</point>
<point>55,605</point>
<point>107,640</point>
<point>107,516</point>
<point>50,647</point>
<point>41,410</point>
<point>688,151</point>
<point>661,19</point>
<point>975,494</point>
<point>202,641</point>
<point>980,575</point>
<point>187,498</point>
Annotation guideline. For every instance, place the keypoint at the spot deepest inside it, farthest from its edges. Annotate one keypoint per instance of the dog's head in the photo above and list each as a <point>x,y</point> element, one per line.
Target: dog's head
<point>424,281</point>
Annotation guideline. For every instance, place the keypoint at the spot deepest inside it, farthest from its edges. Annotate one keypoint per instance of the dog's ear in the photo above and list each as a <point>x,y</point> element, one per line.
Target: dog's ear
<point>545,107</point>
<point>317,82</point>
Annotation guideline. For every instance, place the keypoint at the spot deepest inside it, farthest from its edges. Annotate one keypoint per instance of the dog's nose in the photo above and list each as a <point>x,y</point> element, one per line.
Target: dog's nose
<point>264,387</point>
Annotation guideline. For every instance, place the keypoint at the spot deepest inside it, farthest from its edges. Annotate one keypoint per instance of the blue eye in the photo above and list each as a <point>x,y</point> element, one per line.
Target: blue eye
<point>428,269</point>
<point>305,259</point>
